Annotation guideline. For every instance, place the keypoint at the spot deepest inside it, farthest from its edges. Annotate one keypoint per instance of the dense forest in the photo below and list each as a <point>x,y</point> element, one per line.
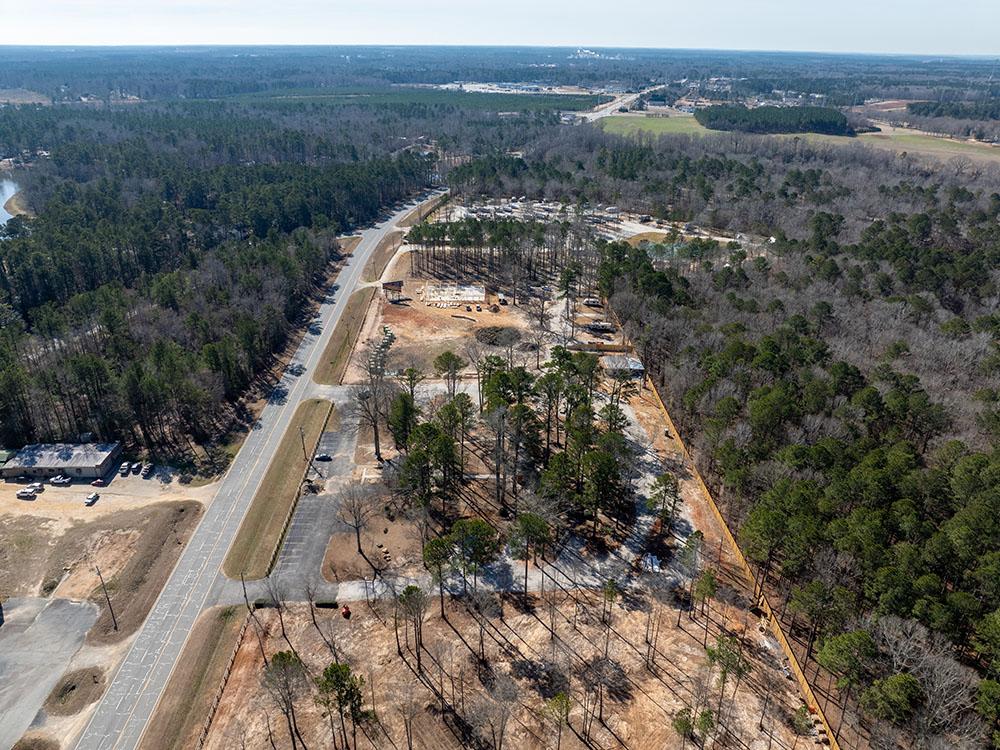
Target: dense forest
<point>175,247</point>
<point>775,120</point>
<point>989,110</point>
<point>114,74</point>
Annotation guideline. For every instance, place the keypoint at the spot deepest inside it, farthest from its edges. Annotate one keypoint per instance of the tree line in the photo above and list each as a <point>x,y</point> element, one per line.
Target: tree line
<point>823,120</point>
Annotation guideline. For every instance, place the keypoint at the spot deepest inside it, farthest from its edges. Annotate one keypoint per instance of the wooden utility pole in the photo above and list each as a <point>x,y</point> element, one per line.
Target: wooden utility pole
<point>114,620</point>
<point>302,436</point>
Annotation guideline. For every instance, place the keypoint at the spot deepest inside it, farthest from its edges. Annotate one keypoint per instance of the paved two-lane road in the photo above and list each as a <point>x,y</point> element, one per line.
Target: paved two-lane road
<point>128,704</point>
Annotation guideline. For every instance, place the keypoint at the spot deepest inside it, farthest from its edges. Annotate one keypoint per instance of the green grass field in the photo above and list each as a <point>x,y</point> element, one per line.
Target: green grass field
<point>914,143</point>
<point>674,125</point>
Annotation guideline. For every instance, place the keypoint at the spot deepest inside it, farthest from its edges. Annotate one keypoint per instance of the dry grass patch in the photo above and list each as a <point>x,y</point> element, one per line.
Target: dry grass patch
<point>638,239</point>
<point>185,704</point>
<point>338,349</point>
<point>422,211</point>
<point>262,528</point>
<point>348,244</point>
<point>134,589</point>
<point>382,255</point>
<point>74,691</point>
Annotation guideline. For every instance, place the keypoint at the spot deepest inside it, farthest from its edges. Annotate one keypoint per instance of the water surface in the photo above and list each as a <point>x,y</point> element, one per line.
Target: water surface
<point>7,189</point>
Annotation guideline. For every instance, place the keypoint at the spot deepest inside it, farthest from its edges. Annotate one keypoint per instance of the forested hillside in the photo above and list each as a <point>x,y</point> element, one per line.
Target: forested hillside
<point>989,110</point>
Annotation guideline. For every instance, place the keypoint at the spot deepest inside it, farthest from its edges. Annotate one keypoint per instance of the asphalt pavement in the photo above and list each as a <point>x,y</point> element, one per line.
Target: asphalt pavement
<point>126,707</point>
<point>37,641</point>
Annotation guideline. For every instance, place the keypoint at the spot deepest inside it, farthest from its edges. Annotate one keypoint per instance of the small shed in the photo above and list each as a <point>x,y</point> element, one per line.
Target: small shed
<point>393,290</point>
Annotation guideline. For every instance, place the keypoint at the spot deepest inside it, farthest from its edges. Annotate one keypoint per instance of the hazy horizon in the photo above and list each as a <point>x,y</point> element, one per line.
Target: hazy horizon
<point>920,28</point>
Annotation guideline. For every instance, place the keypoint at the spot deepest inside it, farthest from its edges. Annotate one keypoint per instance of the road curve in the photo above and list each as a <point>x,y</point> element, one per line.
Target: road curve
<point>127,706</point>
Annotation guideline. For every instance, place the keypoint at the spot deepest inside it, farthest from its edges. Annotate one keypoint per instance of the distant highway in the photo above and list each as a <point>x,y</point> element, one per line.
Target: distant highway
<point>128,704</point>
<point>612,107</point>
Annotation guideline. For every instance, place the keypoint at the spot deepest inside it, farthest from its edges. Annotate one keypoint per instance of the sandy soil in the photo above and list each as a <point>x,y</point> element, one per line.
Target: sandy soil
<point>42,556</point>
<point>447,698</point>
<point>388,544</point>
<point>423,331</point>
<point>59,508</point>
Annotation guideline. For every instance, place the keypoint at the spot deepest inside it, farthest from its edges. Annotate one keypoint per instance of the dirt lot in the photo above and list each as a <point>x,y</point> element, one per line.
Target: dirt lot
<point>448,699</point>
<point>59,508</point>
<point>44,555</point>
<point>386,543</point>
<point>136,585</point>
<point>424,331</point>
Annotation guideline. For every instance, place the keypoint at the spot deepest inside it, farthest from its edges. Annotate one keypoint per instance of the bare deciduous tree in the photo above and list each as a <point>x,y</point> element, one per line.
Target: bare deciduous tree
<point>491,713</point>
<point>356,504</point>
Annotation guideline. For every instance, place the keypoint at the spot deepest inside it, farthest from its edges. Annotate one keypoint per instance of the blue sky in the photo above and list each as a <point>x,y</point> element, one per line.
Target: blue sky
<point>907,26</point>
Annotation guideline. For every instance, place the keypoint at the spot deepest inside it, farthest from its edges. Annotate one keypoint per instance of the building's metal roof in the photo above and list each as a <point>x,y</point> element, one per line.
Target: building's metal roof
<point>621,362</point>
<point>61,455</point>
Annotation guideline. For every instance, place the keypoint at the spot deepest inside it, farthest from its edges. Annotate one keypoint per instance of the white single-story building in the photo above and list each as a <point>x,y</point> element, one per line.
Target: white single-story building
<point>467,294</point>
<point>77,460</point>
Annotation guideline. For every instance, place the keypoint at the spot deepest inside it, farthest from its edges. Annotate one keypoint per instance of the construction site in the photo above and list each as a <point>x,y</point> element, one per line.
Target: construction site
<point>596,641</point>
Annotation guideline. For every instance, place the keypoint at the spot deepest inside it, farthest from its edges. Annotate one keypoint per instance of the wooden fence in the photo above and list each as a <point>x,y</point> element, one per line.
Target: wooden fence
<point>222,685</point>
<point>772,620</point>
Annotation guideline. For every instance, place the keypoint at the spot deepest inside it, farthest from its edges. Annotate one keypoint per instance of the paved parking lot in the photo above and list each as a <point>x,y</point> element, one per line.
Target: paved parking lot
<point>37,641</point>
<point>339,445</point>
